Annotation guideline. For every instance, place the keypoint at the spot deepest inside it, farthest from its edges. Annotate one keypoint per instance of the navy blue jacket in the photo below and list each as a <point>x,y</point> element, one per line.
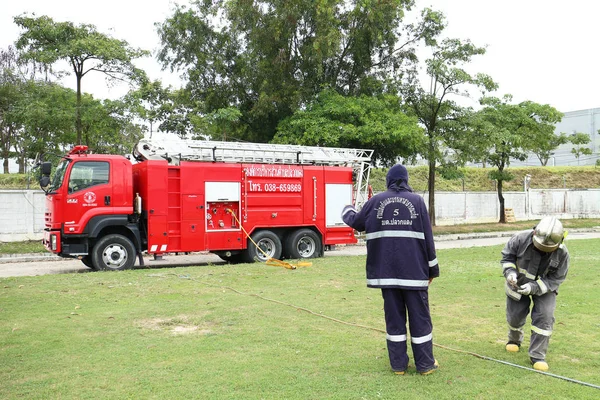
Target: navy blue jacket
<point>400,248</point>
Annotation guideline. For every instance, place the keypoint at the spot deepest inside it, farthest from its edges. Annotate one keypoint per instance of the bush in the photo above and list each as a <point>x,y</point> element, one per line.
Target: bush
<point>17,181</point>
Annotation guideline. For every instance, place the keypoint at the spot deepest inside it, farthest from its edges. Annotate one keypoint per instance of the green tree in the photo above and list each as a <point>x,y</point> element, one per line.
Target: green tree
<point>435,106</point>
<point>222,121</point>
<point>47,113</point>
<point>546,150</point>
<point>10,94</point>
<point>364,122</point>
<point>82,46</point>
<point>509,131</point>
<point>150,102</point>
<point>32,110</point>
<point>580,142</point>
<point>179,113</point>
<point>109,126</point>
<point>269,58</point>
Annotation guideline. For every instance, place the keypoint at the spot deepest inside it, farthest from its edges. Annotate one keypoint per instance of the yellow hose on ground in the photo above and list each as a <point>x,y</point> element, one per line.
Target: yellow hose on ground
<point>270,261</point>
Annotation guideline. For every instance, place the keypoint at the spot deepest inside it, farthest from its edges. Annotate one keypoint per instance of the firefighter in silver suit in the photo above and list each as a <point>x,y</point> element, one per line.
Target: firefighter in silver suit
<point>535,263</point>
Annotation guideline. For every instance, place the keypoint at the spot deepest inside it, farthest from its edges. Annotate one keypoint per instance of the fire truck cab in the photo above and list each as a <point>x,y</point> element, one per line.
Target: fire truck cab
<point>184,196</point>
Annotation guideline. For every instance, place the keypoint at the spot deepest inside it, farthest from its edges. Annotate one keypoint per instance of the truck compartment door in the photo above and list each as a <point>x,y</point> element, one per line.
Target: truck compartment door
<point>223,232</point>
<point>337,196</point>
<point>193,211</point>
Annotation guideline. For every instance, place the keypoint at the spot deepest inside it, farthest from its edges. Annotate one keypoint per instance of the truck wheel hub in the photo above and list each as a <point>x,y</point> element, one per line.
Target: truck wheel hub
<point>306,247</point>
<point>114,255</point>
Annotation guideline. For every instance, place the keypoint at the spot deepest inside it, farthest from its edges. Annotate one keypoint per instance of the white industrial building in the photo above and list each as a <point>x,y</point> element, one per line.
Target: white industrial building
<point>581,121</point>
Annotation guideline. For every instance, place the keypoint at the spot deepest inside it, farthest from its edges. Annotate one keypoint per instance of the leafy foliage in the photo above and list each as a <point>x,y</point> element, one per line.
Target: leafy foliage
<point>368,122</point>
<point>270,58</point>
<point>545,150</point>
<point>580,140</point>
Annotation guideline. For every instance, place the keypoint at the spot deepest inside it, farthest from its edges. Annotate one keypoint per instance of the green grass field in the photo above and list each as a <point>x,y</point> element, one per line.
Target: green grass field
<point>212,332</point>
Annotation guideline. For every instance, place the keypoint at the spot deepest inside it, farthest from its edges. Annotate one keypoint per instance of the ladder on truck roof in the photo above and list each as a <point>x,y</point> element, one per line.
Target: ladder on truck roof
<point>175,150</point>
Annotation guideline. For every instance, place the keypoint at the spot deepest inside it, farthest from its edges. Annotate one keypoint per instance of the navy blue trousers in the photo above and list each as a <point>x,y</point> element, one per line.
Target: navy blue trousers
<point>397,303</point>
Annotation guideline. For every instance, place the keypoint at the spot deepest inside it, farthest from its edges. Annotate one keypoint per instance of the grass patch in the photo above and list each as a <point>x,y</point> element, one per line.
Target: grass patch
<point>184,333</point>
<point>25,247</point>
<point>18,181</point>
<point>477,179</point>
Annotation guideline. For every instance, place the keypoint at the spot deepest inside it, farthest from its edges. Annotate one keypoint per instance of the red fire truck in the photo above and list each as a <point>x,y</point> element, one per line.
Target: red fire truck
<point>182,196</point>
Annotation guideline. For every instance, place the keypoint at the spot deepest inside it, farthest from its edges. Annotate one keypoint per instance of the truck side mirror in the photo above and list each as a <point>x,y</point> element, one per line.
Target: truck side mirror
<point>46,168</point>
<point>44,181</point>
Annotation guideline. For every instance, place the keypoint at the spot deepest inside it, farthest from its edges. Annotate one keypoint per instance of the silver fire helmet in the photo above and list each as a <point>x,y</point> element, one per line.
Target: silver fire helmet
<point>548,234</point>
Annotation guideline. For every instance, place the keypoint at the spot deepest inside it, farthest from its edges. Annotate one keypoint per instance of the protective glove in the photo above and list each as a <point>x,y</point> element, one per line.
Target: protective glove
<point>528,288</point>
<point>511,279</point>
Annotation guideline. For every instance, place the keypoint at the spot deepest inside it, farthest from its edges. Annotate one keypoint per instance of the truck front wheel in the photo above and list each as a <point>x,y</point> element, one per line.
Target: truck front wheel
<point>113,253</point>
<point>303,243</point>
<point>87,261</point>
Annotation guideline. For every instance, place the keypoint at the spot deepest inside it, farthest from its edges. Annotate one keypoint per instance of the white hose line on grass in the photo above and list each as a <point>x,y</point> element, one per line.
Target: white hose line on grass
<point>383,331</point>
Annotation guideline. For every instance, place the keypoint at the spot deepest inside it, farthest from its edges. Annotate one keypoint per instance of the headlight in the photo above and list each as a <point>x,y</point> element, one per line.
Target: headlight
<point>53,242</point>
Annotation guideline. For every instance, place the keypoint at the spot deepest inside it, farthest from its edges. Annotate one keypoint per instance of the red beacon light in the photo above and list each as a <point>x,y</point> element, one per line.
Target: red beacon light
<point>79,149</point>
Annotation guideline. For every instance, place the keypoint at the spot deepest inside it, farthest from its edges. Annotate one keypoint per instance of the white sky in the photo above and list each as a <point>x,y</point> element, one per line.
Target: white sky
<point>539,50</point>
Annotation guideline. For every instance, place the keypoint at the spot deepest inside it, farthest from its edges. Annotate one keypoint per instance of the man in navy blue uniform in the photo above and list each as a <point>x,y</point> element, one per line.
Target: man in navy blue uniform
<point>401,260</point>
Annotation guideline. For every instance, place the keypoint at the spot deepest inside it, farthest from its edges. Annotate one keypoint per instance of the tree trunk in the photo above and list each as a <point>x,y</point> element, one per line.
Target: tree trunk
<point>78,111</point>
<point>501,200</point>
<point>431,188</point>
<point>5,165</point>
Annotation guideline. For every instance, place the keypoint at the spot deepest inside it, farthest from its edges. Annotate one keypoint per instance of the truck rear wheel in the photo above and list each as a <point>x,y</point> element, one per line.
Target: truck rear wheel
<point>303,243</point>
<point>113,253</point>
<point>268,242</point>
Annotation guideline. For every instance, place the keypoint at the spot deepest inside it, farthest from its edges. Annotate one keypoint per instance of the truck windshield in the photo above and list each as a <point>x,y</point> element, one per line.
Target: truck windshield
<point>59,175</point>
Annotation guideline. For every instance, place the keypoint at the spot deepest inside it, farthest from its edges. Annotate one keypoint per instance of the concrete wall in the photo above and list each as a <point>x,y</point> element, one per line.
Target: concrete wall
<point>22,211</point>
<point>21,215</point>
<point>475,207</point>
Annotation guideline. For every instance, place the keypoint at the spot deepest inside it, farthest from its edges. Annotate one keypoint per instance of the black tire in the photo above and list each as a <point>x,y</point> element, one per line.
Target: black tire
<point>113,253</point>
<point>268,241</point>
<point>303,243</point>
<point>87,261</point>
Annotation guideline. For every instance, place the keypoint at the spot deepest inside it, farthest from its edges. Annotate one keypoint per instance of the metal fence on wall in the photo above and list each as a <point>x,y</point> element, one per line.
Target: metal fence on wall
<point>22,211</point>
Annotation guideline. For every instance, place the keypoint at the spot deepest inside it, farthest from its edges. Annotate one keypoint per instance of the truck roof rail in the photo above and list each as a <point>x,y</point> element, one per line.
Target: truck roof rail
<point>175,150</point>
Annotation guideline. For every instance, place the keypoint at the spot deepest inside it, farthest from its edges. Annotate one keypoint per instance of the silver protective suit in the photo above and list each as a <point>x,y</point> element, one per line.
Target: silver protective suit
<point>546,271</point>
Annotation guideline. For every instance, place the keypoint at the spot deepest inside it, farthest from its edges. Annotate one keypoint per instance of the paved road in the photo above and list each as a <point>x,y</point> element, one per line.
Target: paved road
<point>28,265</point>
